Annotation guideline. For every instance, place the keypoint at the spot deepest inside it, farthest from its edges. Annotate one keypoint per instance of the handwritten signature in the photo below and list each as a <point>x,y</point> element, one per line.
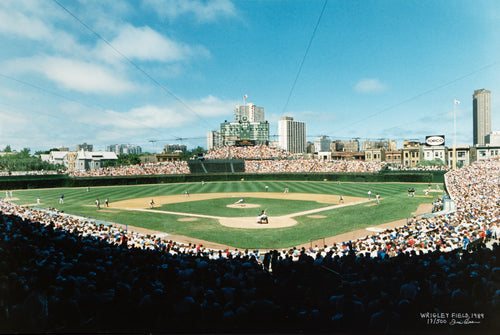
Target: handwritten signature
<point>463,322</point>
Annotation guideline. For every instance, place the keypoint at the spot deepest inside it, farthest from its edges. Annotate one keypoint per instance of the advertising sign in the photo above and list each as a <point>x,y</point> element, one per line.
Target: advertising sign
<point>245,143</point>
<point>434,140</point>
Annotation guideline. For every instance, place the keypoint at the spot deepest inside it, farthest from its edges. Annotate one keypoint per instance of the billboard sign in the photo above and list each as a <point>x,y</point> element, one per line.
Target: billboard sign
<point>434,140</point>
<point>245,143</point>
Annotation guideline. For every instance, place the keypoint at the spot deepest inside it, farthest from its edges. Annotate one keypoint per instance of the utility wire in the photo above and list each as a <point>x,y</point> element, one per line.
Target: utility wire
<point>419,95</point>
<point>304,58</point>
<point>137,67</point>
<point>46,91</point>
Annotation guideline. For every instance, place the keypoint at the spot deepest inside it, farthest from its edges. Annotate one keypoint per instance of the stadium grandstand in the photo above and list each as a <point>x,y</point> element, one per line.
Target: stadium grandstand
<point>257,159</point>
<point>60,273</point>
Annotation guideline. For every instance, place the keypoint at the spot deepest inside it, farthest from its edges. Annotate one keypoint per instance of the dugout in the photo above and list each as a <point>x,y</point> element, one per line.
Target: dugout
<point>216,166</point>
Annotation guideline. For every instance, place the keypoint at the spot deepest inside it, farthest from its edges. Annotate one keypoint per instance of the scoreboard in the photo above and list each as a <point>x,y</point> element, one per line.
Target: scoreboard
<point>231,132</point>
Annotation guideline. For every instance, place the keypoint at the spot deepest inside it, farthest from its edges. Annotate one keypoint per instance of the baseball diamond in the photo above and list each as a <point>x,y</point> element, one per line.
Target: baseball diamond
<point>308,214</point>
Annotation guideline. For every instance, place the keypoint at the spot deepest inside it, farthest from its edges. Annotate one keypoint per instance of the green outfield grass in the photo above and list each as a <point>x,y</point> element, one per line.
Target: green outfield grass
<point>394,205</point>
<point>218,207</point>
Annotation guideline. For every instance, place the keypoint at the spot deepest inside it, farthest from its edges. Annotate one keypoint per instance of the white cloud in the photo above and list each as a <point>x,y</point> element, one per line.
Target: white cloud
<point>11,119</point>
<point>72,74</point>
<point>7,94</point>
<point>212,107</point>
<point>17,23</point>
<point>150,117</point>
<point>146,44</point>
<point>306,115</point>
<point>370,85</point>
<point>30,23</point>
<point>203,11</point>
<point>16,127</point>
<point>64,43</point>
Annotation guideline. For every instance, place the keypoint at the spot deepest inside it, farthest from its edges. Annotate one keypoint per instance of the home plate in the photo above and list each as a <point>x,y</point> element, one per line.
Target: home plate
<point>375,229</point>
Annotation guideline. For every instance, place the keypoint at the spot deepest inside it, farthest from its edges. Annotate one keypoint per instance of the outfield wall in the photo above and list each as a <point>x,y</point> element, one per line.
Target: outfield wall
<point>36,181</point>
<point>49,181</point>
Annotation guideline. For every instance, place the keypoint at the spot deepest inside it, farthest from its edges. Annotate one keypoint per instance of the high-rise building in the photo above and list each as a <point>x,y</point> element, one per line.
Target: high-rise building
<point>124,149</point>
<point>379,144</point>
<point>213,139</point>
<point>481,115</point>
<point>292,135</point>
<point>250,113</point>
<point>85,147</point>
<point>345,146</point>
<point>62,148</point>
<point>493,138</point>
<point>322,144</point>
<point>249,128</point>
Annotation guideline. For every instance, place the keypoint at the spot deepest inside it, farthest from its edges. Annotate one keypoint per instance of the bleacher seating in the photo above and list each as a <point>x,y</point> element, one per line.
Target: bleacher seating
<point>59,274</point>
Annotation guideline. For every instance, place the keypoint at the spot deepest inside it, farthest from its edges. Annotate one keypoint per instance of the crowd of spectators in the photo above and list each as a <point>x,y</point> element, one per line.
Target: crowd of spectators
<point>258,159</point>
<point>476,191</point>
<point>263,159</point>
<point>310,166</point>
<point>60,273</point>
<point>420,168</point>
<point>437,205</point>
<point>174,167</point>
<point>247,152</point>
<point>251,166</point>
<point>29,173</point>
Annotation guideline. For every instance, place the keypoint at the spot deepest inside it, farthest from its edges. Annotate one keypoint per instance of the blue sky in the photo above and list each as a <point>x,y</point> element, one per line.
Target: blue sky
<point>112,72</point>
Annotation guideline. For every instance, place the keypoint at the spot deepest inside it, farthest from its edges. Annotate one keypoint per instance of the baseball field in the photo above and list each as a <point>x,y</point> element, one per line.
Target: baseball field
<point>220,214</point>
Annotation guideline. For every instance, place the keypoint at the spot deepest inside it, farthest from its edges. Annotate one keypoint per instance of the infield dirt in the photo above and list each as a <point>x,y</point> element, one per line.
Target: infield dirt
<point>142,204</point>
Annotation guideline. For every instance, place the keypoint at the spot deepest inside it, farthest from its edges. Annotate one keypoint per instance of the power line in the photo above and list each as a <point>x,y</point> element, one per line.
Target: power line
<point>304,58</point>
<point>419,95</point>
<point>137,67</point>
<point>41,89</point>
<point>57,116</point>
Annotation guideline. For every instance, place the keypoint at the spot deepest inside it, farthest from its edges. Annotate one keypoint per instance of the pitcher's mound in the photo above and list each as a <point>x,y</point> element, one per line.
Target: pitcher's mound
<point>243,205</point>
<point>251,222</point>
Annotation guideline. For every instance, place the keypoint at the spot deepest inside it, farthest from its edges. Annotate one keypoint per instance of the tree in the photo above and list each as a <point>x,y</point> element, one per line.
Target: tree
<point>25,152</point>
<point>434,162</point>
<point>7,149</point>
<point>192,153</point>
<point>124,160</point>
<point>134,159</point>
<point>45,152</point>
<point>24,162</point>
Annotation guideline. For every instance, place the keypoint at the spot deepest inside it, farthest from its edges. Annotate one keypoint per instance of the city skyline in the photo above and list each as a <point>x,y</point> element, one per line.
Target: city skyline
<point>481,117</point>
<point>292,135</point>
<point>153,73</point>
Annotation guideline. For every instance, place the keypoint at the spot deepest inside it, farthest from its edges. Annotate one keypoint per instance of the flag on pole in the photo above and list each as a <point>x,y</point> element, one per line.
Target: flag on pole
<point>456,102</point>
